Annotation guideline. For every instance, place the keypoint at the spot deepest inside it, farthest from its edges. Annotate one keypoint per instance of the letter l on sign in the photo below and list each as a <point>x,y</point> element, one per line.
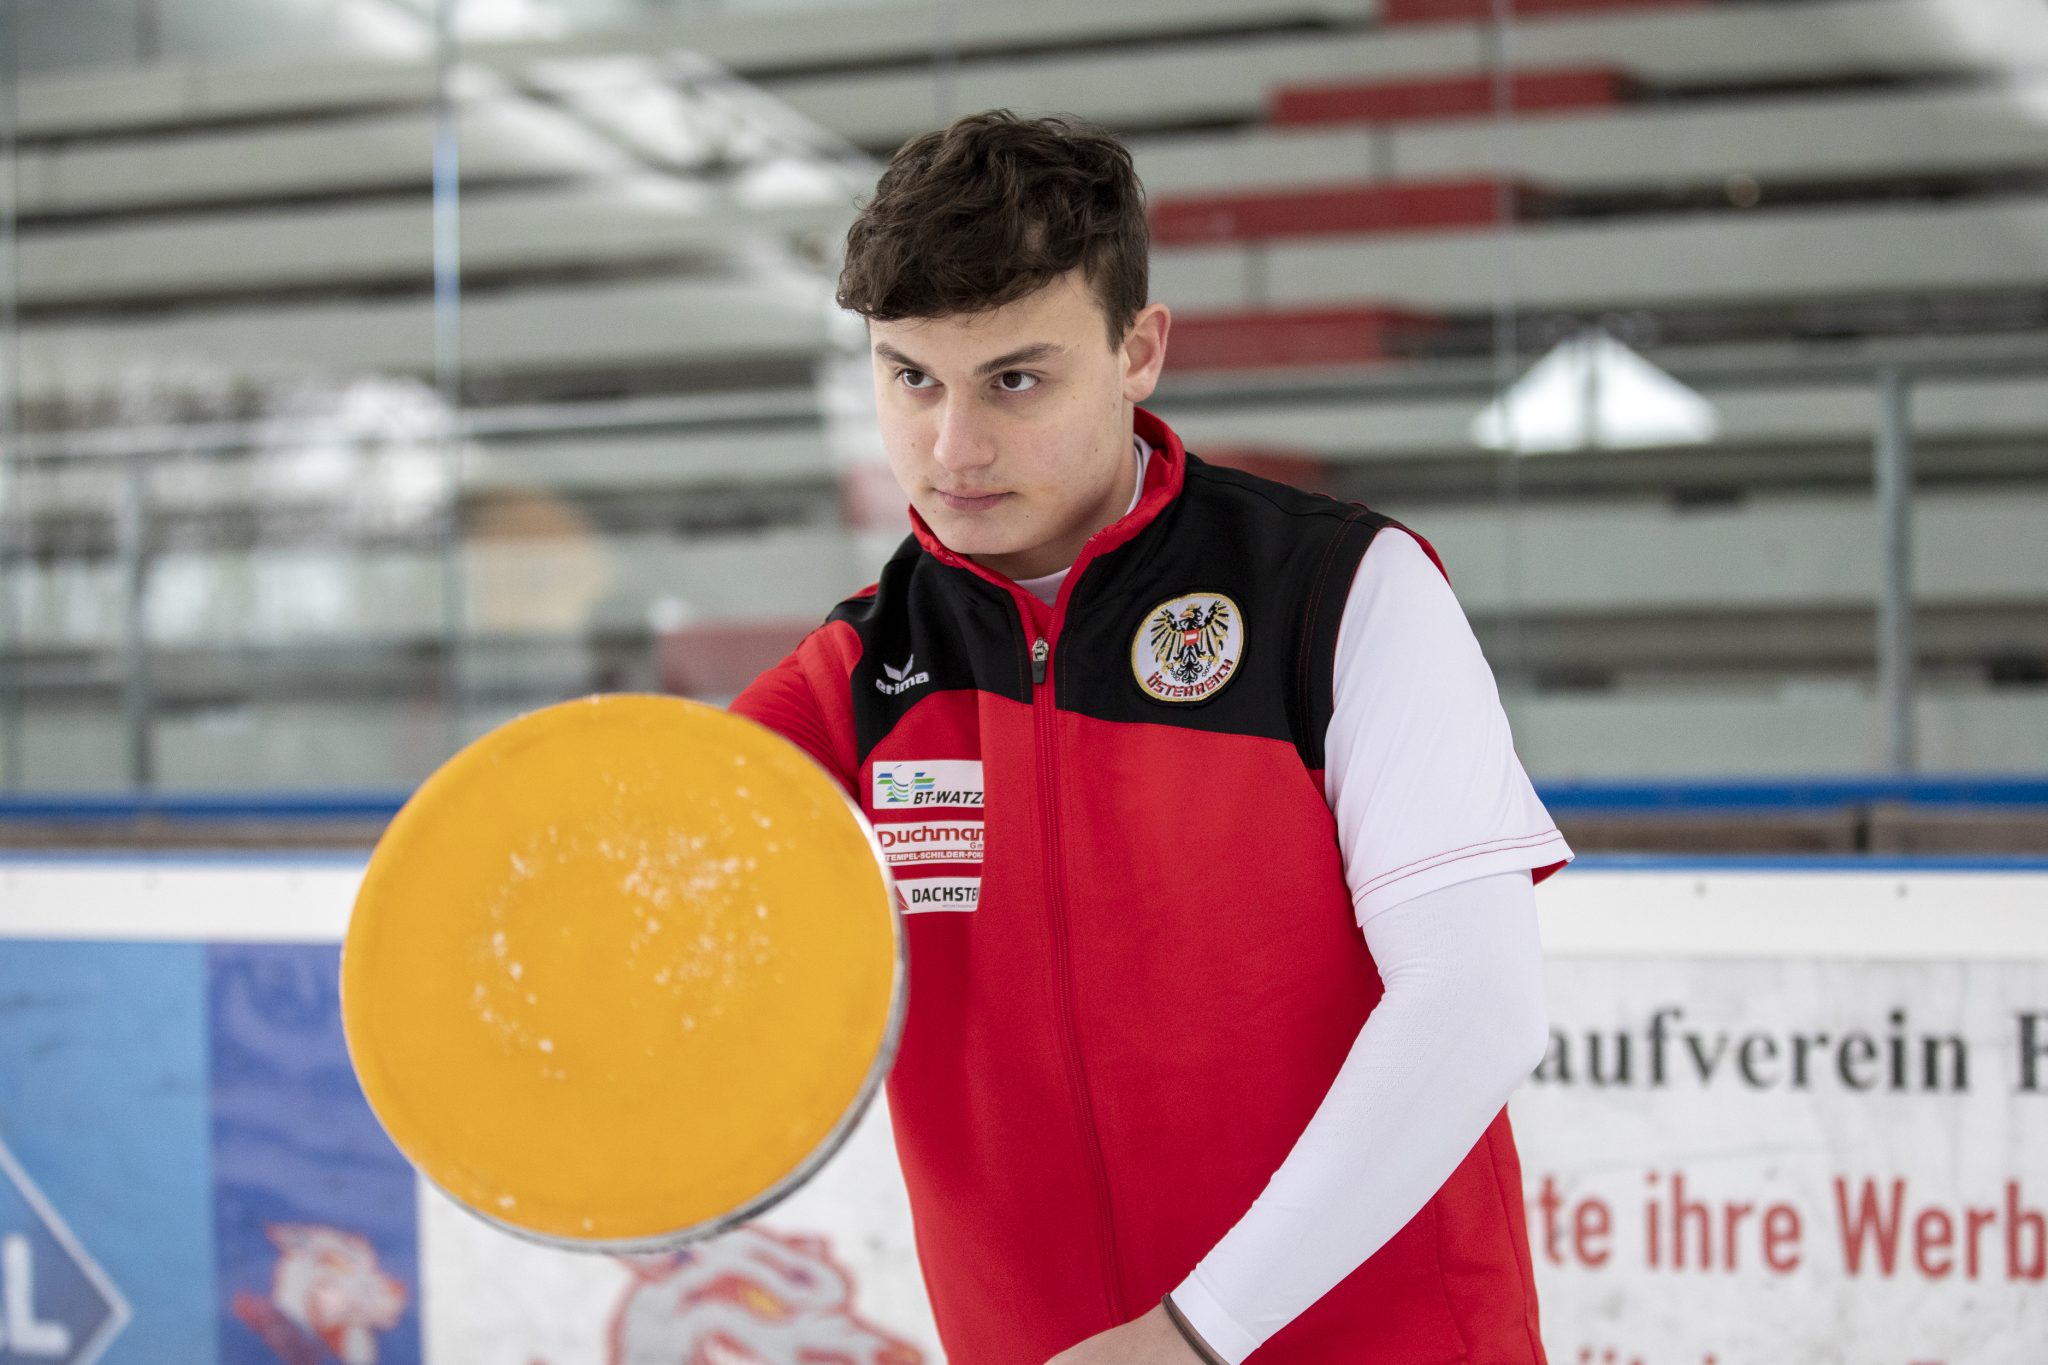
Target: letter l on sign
<point>56,1304</point>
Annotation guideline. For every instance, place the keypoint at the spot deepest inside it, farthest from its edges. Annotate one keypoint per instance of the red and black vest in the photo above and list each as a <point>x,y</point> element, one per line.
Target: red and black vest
<point>1134,969</point>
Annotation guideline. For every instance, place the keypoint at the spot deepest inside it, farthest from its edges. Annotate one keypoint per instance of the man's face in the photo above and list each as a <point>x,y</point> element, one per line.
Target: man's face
<point>1010,430</point>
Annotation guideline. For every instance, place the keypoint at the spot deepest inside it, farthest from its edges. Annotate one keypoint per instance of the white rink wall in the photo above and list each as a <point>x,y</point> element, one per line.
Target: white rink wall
<point>1791,1111</point>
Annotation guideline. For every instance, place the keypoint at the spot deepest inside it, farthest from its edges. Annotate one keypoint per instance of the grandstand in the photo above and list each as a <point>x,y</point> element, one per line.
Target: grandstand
<point>315,469</point>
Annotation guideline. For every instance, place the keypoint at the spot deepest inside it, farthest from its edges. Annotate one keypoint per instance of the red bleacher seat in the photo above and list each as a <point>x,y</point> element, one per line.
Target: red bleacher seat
<point>1300,468</point>
<point>870,499</point>
<point>1447,96</point>
<point>1305,336</point>
<point>1410,207</point>
<point>716,660</point>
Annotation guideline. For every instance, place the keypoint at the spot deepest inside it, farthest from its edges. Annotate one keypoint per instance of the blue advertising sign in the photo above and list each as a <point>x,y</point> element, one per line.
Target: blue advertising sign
<point>315,1212</point>
<point>103,1112</point>
<point>56,1305</point>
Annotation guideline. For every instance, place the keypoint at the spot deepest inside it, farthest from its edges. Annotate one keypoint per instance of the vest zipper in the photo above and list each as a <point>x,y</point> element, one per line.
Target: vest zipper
<point>1044,719</point>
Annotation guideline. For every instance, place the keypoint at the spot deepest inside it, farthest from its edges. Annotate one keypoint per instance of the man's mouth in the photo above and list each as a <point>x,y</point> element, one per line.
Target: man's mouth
<point>969,502</point>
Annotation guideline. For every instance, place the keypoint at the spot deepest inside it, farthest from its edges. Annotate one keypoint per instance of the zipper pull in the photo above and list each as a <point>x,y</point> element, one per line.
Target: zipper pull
<point>1040,652</point>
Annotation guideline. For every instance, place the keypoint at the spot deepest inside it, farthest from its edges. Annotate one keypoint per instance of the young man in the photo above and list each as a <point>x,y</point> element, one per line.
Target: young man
<point>1213,846</point>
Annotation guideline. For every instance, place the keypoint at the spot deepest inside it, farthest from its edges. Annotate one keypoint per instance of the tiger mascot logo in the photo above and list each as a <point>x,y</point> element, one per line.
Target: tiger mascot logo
<point>328,1297</point>
<point>747,1297</point>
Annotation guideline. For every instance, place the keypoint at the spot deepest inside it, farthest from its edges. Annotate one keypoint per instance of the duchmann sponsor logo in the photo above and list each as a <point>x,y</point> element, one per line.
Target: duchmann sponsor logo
<point>931,841</point>
<point>896,681</point>
<point>935,782</point>
<point>938,893</point>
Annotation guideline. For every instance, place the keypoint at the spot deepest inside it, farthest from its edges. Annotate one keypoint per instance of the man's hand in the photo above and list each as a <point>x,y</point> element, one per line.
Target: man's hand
<point>1149,1340</point>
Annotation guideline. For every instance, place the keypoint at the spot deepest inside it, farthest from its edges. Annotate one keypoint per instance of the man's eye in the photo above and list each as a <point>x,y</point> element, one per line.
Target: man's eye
<point>1017,374</point>
<point>906,375</point>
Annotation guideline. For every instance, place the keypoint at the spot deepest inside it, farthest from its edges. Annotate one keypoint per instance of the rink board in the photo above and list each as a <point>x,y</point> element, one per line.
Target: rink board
<point>1789,1113</point>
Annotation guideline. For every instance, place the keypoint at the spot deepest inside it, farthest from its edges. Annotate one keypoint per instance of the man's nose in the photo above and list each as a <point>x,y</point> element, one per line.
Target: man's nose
<point>960,441</point>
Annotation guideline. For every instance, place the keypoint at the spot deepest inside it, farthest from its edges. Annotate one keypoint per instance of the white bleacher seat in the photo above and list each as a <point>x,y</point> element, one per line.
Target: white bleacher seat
<point>1816,135</point>
<point>1798,253</point>
<point>743,39</point>
<point>1627,555</point>
<point>501,138</point>
<point>557,464</point>
<point>541,228</point>
<point>1776,550</point>
<point>172,93</point>
<point>582,463</point>
<point>1830,136</point>
<point>1823,136</point>
<point>337,593</point>
<point>611,323</point>
<point>193,89</point>
<point>1356,431</point>
<point>1365,430</point>
<point>1618,263</point>
<point>1791,731</point>
<point>1762,41</point>
<point>1794,730</point>
<point>1232,80</point>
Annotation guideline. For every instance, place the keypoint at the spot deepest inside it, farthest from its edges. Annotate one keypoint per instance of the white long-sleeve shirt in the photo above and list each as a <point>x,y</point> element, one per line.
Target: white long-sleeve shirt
<point>1439,829</point>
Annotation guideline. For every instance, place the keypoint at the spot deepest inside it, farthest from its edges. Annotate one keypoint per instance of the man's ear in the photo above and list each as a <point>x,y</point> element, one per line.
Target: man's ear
<point>1144,351</point>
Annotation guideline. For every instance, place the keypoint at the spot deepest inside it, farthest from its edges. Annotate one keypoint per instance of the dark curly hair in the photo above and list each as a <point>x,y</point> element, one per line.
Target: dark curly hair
<point>992,208</point>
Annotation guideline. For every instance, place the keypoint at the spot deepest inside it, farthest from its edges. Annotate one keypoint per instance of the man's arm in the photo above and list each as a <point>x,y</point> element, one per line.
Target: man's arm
<point>1439,830</point>
<point>1440,833</point>
<point>1420,767</point>
<point>797,699</point>
<point>1460,1026</point>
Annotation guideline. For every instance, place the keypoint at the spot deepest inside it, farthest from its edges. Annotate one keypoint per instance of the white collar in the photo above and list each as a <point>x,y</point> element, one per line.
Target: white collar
<point>1046,587</point>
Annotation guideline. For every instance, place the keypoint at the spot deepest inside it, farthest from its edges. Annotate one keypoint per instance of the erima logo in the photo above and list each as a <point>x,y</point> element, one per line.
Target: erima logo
<point>901,680</point>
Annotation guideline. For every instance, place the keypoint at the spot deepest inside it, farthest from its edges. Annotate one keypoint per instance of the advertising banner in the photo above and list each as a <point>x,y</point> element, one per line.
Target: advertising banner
<point>1785,1116</point>
<point>1792,1117</point>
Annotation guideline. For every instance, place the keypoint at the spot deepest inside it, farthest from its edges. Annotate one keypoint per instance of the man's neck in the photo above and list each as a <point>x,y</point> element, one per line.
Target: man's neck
<point>1046,586</point>
<point>1056,555</point>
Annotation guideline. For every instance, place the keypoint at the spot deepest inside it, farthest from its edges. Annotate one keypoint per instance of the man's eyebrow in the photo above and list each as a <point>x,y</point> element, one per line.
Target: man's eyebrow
<point>1023,355</point>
